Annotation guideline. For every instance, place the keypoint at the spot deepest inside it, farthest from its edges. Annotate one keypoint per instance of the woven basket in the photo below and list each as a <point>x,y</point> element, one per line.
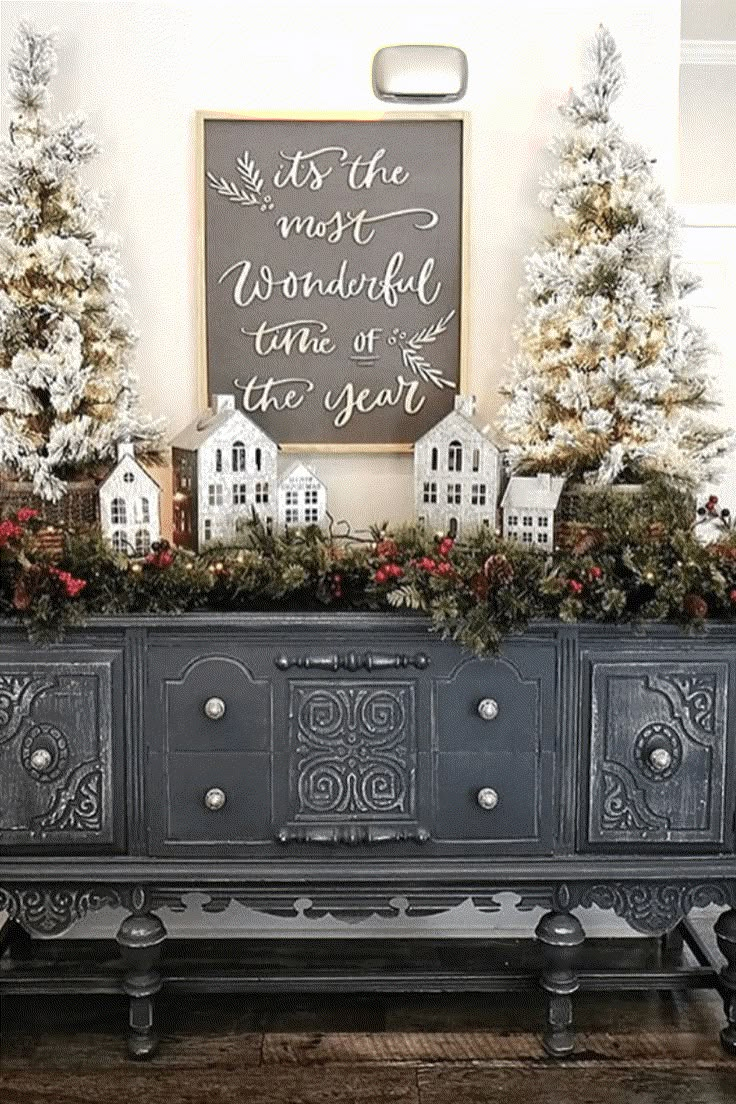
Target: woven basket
<point>577,499</point>
<point>79,506</point>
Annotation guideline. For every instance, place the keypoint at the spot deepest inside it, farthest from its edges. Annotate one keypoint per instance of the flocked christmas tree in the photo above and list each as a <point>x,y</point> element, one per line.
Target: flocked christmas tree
<point>611,375</point>
<point>67,392</point>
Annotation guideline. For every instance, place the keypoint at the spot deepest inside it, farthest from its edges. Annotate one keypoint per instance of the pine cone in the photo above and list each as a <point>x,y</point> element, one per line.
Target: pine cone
<point>657,531</point>
<point>695,606</point>
<point>575,537</point>
<point>498,570</point>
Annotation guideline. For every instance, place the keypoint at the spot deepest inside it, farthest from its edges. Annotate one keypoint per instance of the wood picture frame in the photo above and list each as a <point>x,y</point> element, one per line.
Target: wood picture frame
<point>387,433</point>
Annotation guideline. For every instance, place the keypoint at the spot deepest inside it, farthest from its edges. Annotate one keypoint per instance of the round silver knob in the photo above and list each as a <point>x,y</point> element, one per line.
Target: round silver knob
<point>41,759</point>
<point>488,709</point>
<point>487,798</point>
<point>214,708</point>
<point>215,798</point>
<point>660,759</point>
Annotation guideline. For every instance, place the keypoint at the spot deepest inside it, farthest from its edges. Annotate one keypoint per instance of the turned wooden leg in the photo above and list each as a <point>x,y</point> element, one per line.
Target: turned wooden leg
<point>726,936</point>
<point>16,941</point>
<point>560,934</point>
<point>140,938</point>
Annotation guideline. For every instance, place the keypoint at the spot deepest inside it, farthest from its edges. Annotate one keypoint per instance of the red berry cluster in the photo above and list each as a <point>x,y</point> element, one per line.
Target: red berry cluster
<point>576,586</point>
<point>71,586</point>
<point>9,531</point>
<point>161,555</point>
<point>439,565</point>
<point>388,571</point>
<point>13,528</point>
<point>336,585</point>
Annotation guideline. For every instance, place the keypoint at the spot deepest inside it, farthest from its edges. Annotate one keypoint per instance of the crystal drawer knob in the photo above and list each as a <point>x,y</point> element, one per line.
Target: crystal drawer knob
<point>215,798</point>
<point>214,708</point>
<point>660,759</point>
<point>488,709</point>
<point>41,759</point>
<point>487,798</point>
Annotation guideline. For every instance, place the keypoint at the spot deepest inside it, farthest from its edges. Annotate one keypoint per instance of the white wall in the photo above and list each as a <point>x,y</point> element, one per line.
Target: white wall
<point>141,70</point>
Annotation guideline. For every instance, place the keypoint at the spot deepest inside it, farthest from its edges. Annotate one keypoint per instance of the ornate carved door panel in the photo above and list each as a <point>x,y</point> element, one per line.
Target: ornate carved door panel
<point>658,744</point>
<point>56,751</point>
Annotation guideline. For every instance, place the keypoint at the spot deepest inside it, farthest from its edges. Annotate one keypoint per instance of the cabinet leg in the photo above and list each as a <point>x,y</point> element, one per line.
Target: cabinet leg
<point>16,941</point>
<point>140,938</point>
<point>560,934</point>
<point>726,935</point>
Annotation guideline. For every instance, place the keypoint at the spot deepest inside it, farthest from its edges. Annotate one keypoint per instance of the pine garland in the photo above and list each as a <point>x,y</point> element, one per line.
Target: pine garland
<point>631,562</point>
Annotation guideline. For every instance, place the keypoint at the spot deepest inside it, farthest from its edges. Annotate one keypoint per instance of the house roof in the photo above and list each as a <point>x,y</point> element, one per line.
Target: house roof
<point>198,432</point>
<point>541,492</point>
<point>463,421</point>
<point>300,471</point>
<point>126,461</point>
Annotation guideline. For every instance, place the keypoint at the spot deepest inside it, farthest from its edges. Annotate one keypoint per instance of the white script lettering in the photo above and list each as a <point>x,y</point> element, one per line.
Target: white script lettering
<point>348,402</point>
<point>287,336</point>
<point>333,228</point>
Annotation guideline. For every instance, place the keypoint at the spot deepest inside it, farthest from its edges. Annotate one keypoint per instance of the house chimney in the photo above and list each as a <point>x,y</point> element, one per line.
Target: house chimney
<point>125,448</point>
<point>223,402</point>
<point>465,404</point>
<point>545,481</point>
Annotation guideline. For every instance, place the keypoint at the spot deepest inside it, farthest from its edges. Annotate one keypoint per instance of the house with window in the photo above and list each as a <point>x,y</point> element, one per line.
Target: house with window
<point>130,505</point>
<point>528,508</point>
<point>224,467</point>
<point>302,498</point>
<point>457,473</point>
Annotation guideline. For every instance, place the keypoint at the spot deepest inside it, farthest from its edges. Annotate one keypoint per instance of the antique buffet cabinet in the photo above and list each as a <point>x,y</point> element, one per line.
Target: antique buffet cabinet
<point>350,764</point>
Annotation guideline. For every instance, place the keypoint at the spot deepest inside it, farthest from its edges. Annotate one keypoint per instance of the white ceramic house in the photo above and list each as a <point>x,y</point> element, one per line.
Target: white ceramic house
<point>224,467</point>
<point>528,507</point>
<point>457,473</point>
<point>302,498</point>
<point>130,503</point>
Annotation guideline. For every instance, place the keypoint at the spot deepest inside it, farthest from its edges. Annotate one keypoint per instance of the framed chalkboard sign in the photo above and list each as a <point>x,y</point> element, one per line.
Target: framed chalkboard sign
<point>332,266</point>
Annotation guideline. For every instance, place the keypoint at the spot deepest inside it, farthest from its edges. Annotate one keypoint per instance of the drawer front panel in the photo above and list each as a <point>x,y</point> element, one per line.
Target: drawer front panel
<point>658,753</point>
<point>496,729</point>
<point>210,702</point>
<point>375,748</point>
<point>489,706</point>
<point>57,723</point>
<point>463,782</point>
<point>244,782</point>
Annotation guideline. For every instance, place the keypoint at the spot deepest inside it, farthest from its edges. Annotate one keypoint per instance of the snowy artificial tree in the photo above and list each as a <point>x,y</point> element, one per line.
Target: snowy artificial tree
<point>611,373</point>
<point>67,391</point>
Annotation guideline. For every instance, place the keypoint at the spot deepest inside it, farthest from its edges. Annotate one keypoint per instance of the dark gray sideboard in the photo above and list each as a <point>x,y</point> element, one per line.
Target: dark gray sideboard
<point>357,763</point>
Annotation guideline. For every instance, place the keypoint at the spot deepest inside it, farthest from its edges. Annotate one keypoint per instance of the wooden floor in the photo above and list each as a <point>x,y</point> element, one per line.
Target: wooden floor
<point>464,1049</point>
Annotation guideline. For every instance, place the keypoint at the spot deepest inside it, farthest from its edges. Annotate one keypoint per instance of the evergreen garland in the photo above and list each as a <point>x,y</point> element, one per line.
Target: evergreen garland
<point>632,561</point>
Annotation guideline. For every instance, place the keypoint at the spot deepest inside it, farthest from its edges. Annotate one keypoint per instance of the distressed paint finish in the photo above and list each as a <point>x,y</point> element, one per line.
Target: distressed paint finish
<point>302,498</point>
<point>457,473</point>
<point>352,752</point>
<point>528,507</point>
<point>225,467</point>
<point>130,505</point>
<point>62,713</point>
<point>639,709</point>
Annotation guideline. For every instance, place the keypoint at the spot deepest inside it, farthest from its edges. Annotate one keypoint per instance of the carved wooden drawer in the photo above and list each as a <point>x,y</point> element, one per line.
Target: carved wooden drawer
<point>264,744</point>
<point>58,721</point>
<point>496,724</point>
<point>218,797</point>
<point>660,734</point>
